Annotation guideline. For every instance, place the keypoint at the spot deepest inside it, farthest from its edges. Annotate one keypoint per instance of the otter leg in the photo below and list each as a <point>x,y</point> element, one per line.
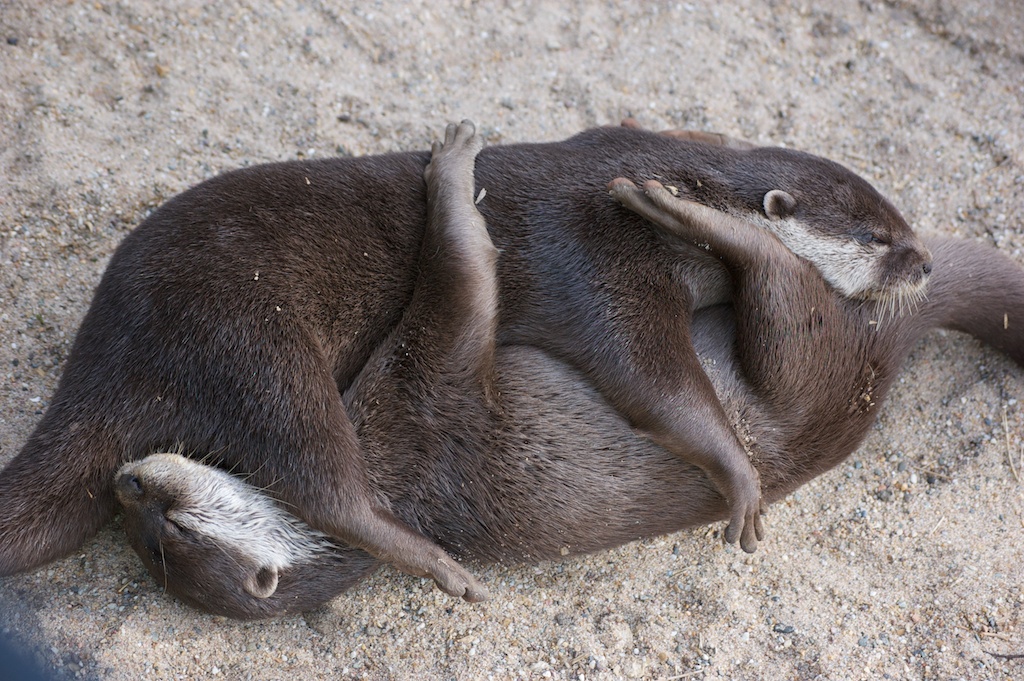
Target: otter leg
<point>739,243</point>
<point>456,295</point>
<point>343,512</point>
<point>684,416</point>
<point>713,139</point>
<point>655,379</point>
<point>446,334</point>
<point>675,402</point>
<point>447,328</point>
<point>779,302</point>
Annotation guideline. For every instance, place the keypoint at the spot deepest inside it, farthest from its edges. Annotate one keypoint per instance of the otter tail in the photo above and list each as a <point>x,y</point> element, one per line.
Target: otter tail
<point>978,290</point>
<point>56,493</point>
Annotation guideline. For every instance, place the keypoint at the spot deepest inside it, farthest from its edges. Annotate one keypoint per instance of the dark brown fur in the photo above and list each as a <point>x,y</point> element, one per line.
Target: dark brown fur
<point>229,321</point>
<point>523,459</point>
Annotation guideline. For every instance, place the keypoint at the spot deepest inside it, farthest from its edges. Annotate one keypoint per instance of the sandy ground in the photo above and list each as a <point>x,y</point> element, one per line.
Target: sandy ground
<point>903,563</point>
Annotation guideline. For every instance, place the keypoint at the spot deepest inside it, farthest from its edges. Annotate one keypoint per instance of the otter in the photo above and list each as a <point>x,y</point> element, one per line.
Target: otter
<point>507,453</point>
<point>229,323</point>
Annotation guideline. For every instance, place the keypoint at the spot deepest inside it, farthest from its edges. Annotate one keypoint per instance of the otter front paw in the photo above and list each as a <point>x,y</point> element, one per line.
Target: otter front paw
<point>454,158</point>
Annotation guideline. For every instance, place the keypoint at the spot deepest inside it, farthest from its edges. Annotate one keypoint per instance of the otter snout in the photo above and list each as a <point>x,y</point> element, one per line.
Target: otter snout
<point>910,269</point>
<point>129,488</point>
<point>137,486</point>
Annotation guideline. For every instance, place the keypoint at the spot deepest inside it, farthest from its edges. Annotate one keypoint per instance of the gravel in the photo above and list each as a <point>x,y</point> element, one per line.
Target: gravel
<point>904,568</point>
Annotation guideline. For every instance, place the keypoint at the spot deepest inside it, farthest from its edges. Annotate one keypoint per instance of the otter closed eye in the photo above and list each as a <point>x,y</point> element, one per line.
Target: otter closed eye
<point>872,239</point>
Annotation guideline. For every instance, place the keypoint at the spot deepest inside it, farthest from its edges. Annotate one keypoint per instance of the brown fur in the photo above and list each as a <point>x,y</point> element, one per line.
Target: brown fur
<point>229,321</point>
<point>522,459</point>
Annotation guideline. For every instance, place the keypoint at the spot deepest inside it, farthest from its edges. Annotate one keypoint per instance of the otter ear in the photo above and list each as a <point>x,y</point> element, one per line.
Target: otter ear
<point>779,205</point>
<point>262,583</point>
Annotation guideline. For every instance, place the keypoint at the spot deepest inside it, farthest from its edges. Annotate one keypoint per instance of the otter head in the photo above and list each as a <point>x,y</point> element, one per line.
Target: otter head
<point>838,222</point>
<point>222,546</point>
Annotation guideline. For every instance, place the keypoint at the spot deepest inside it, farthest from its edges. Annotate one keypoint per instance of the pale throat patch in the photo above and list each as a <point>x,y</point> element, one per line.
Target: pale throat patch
<point>231,512</point>
<point>849,266</point>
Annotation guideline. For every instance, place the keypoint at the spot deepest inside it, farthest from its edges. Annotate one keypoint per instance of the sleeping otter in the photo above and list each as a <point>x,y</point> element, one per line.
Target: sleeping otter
<point>507,453</point>
<point>230,321</point>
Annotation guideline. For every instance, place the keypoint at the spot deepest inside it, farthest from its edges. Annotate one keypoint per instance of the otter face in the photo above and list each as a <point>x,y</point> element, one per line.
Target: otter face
<point>222,546</point>
<point>840,224</point>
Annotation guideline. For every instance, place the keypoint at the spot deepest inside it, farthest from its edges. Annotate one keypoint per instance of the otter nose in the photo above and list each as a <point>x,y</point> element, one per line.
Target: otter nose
<point>927,267</point>
<point>129,486</point>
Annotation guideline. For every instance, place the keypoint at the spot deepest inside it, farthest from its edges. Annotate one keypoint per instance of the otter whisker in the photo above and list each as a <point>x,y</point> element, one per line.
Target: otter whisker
<point>890,309</point>
<point>268,488</point>
<point>263,464</point>
<point>916,300</point>
<point>163,563</point>
<point>899,302</point>
<point>286,504</point>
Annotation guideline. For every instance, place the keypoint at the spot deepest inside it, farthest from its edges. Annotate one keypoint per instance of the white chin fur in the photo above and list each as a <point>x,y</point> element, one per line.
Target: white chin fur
<point>231,512</point>
<point>847,265</point>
